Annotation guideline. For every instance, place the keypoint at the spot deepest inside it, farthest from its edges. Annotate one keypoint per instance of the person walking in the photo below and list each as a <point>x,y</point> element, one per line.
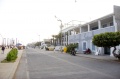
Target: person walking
<point>3,49</point>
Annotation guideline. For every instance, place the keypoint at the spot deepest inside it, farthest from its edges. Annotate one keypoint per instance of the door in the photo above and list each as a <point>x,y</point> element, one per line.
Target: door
<point>107,50</point>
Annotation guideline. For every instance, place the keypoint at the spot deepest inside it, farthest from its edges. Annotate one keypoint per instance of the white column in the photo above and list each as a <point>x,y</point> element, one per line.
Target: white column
<point>73,32</point>
<point>111,49</point>
<point>88,27</point>
<point>114,23</point>
<point>68,33</point>
<point>99,24</point>
<point>66,39</point>
<point>68,36</point>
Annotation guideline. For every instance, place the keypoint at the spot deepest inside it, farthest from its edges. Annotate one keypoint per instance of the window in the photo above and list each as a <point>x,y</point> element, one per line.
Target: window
<point>104,25</point>
<point>111,23</point>
<point>94,28</point>
<point>84,45</point>
<point>93,47</point>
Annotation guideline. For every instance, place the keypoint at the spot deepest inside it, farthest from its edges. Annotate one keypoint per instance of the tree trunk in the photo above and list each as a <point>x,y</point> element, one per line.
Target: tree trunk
<point>116,55</point>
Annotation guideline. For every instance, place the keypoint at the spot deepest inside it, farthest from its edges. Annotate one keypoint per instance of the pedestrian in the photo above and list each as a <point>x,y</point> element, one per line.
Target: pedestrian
<point>3,49</point>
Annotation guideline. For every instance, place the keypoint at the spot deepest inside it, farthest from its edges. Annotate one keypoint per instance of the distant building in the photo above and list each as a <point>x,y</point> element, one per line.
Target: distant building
<point>47,41</point>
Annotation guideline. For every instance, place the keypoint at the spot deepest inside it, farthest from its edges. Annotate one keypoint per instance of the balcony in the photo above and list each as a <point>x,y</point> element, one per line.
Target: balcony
<point>88,35</point>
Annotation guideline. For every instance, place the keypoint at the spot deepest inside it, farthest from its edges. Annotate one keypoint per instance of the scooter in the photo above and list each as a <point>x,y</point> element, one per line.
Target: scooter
<point>73,52</point>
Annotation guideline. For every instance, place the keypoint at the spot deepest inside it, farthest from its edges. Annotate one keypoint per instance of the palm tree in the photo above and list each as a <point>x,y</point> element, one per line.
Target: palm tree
<point>59,37</point>
<point>56,39</point>
<point>53,39</point>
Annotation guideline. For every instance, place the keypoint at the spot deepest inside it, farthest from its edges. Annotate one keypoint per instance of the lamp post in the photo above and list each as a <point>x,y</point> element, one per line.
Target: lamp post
<point>61,26</point>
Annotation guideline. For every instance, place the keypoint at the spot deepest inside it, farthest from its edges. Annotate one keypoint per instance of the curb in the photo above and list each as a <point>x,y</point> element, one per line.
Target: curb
<point>111,60</point>
<point>15,65</point>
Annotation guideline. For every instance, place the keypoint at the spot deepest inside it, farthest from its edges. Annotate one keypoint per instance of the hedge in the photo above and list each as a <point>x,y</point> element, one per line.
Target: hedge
<point>12,55</point>
<point>71,46</point>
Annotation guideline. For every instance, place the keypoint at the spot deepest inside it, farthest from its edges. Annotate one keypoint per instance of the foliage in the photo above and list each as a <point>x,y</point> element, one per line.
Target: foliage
<point>71,46</point>
<point>37,43</point>
<point>12,55</point>
<point>108,39</point>
<point>59,37</point>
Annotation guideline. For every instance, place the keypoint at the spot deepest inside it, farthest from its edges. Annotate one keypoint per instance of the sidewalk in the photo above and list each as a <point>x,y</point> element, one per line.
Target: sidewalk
<point>7,70</point>
<point>101,57</point>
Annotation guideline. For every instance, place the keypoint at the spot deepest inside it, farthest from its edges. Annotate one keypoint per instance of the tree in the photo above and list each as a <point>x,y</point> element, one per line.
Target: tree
<point>71,46</point>
<point>56,39</point>
<point>60,38</point>
<point>108,39</point>
<point>53,39</point>
<point>37,43</point>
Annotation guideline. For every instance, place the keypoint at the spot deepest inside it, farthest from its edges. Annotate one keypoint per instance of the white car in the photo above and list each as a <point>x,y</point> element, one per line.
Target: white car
<point>57,48</point>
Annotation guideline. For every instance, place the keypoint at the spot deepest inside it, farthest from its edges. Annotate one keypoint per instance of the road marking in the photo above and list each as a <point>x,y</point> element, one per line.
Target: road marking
<point>27,72</point>
<point>26,61</point>
<point>95,71</point>
<point>80,66</point>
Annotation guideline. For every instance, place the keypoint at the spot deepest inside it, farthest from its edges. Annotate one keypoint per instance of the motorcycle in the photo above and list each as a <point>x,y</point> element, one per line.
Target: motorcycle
<point>73,52</point>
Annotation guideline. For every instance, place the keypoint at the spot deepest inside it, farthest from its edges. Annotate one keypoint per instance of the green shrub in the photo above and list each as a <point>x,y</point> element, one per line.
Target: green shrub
<point>12,55</point>
<point>71,46</point>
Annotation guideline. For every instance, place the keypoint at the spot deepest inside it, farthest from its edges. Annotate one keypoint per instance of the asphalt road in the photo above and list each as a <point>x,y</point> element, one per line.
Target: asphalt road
<point>40,64</point>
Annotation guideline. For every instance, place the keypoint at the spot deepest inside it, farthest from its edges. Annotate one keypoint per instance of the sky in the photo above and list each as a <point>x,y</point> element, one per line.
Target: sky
<point>34,20</point>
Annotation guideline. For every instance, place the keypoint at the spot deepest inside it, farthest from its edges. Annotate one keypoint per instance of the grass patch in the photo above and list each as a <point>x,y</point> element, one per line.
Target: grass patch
<point>5,61</point>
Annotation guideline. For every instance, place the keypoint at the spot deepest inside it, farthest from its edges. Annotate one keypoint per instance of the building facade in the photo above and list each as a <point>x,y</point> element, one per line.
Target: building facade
<point>83,34</point>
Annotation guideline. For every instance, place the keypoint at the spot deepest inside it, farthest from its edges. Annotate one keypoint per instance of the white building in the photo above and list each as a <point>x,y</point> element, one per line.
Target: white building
<point>83,34</point>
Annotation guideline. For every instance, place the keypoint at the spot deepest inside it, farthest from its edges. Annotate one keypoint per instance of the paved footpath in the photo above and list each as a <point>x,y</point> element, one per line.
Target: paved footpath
<point>7,70</point>
<point>102,57</point>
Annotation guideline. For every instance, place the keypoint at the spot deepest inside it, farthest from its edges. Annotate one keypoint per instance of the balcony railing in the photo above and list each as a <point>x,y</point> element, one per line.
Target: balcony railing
<point>88,35</point>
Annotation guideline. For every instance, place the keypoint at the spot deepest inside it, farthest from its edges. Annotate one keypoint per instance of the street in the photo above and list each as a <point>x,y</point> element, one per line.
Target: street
<point>41,64</point>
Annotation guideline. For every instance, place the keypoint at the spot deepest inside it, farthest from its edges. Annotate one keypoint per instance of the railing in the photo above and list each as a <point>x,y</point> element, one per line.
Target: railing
<point>85,35</point>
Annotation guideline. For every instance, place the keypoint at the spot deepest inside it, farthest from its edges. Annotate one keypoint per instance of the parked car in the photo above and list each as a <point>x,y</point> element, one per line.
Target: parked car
<point>57,48</point>
<point>51,48</point>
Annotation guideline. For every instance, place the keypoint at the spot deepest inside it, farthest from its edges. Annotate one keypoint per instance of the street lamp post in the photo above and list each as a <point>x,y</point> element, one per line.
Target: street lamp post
<point>61,26</point>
